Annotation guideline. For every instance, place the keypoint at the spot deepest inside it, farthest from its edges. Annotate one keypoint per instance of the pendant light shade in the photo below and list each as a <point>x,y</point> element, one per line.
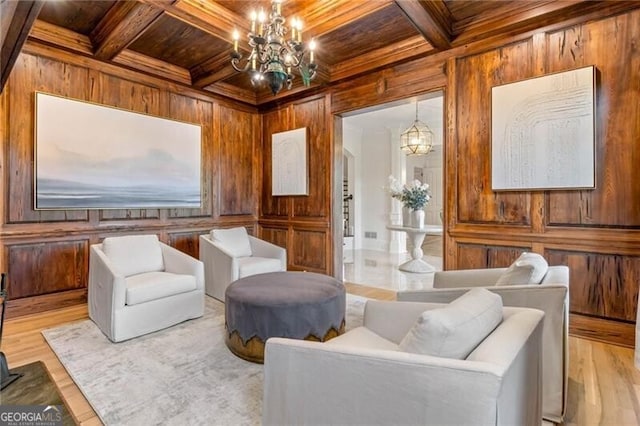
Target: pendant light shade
<point>417,139</point>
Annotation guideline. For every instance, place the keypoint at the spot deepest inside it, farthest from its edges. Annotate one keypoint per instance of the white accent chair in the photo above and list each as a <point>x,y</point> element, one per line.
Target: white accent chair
<point>551,296</point>
<point>363,377</point>
<point>138,285</point>
<point>231,254</point>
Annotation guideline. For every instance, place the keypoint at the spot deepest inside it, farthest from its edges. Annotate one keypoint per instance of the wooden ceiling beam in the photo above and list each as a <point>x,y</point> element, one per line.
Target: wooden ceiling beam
<point>121,26</point>
<point>431,18</point>
<point>395,53</point>
<point>16,19</point>
<point>153,66</point>
<point>61,37</point>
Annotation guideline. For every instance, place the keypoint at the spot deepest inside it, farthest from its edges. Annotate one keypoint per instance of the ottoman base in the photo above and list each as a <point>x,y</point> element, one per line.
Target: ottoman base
<point>253,350</point>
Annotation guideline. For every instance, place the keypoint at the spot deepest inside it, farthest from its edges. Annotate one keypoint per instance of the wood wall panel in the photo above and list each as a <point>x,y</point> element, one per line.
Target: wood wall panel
<point>477,203</point>
<point>308,250</point>
<point>480,256</point>
<point>43,268</point>
<point>239,168</point>
<point>186,242</point>
<point>277,236</point>
<point>196,111</point>
<point>273,122</point>
<point>602,285</point>
<point>31,74</point>
<point>312,115</point>
<point>612,46</point>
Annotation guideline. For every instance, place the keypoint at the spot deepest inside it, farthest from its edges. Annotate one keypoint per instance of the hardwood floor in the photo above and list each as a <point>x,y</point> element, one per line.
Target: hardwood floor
<point>604,386</point>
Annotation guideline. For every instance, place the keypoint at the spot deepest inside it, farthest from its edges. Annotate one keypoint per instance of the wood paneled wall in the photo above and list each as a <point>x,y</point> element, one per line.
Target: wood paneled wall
<point>302,224</point>
<point>595,232</point>
<point>46,253</point>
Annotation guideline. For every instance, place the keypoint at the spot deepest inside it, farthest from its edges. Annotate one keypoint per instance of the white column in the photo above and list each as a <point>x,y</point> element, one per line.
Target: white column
<point>398,240</point>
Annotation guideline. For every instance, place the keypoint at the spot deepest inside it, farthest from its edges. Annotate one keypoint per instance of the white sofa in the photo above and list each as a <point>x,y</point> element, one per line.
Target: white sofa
<point>550,296</point>
<point>363,378</point>
<point>138,285</point>
<point>231,254</point>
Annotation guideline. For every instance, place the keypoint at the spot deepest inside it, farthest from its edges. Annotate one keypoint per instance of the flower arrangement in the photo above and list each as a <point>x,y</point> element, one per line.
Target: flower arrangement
<point>414,195</point>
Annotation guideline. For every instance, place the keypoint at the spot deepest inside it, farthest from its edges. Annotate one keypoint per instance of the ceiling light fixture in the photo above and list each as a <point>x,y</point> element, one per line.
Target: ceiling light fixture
<point>417,139</point>
<point>275,51</point>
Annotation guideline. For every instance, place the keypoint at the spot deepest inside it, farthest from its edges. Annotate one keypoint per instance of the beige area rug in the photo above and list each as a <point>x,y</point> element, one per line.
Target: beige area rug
<point>184,375</point>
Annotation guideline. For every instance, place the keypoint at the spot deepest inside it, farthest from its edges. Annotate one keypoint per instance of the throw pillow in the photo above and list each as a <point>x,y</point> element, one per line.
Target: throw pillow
<point>134,254</point>
<point>455,330</point>
<point>529,268</point>
<point>234,240</point>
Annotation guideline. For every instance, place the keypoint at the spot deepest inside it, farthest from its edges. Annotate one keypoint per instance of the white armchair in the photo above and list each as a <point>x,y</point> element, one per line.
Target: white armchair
<point>363,377</point>
<point>138,285</point>
<point>550,296</point>
<point>231,254</point>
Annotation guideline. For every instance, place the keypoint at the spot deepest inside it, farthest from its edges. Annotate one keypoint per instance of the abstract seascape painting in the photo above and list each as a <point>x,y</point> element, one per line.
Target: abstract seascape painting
<point>91,156</point>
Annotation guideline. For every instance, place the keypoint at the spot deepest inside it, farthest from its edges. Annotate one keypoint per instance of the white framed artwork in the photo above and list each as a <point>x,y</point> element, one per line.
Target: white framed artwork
<point>91,156</point>
<point>289,162</point>
<point>543,132</point>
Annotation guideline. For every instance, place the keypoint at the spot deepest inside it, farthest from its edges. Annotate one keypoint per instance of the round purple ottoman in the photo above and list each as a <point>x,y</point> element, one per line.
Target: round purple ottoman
<point>298,305</point>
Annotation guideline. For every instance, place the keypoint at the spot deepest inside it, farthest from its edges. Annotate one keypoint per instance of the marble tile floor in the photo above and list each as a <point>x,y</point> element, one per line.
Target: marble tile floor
<point>380,269</point>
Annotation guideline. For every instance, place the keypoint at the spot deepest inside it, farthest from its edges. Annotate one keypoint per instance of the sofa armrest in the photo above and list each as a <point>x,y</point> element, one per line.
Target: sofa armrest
<point>178,262</point>
<point>106,290</point>
<point>220,267</point>
<point>263,248</point>
<point>467,277</point>
<point>311,383</point>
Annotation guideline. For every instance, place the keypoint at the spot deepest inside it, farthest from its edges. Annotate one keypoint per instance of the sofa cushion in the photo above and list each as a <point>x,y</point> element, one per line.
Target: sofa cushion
<point>156,285</point>
<point>134,254</point>
<point>362,338</point>
<point>234,240</point>
<point>529,268</point>
<point>455,330</point>
<point>257,265</point>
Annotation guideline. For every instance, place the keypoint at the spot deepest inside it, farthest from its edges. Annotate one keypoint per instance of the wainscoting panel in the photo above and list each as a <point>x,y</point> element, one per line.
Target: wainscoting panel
<point>309,248</point>
<point>480,256</point>
<point>47,267</point>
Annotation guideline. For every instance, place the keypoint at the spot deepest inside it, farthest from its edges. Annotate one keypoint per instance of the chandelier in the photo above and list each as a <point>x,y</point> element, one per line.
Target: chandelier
<point>417,139</point>
<point>275,51</point>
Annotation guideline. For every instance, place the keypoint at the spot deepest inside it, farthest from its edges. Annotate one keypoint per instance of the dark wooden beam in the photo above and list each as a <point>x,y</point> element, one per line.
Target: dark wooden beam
<point>121,26</point>
<point>17,20</point>
<point>431,18</point>
<point>329,15</point>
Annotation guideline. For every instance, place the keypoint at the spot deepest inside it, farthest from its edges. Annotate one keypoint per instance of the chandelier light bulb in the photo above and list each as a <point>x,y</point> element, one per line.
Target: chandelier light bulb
<point>276,50</point>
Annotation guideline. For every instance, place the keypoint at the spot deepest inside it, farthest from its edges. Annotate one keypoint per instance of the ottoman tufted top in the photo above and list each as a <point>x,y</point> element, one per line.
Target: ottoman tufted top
<point>284,304</point>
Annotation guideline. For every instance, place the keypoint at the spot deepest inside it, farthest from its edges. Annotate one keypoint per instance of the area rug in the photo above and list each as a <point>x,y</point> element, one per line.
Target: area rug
<point>182,375</point>
<point>34,388</point>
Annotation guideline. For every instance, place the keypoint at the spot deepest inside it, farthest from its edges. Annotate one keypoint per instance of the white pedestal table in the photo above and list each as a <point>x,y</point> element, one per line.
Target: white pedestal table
<point>417,235</point>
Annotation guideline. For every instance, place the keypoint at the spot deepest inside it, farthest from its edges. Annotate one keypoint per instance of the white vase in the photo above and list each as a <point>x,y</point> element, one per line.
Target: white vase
<point>418,219</point>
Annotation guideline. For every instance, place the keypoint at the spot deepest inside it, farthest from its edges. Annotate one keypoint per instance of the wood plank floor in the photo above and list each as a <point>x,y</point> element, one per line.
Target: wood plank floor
<point>604,386</point>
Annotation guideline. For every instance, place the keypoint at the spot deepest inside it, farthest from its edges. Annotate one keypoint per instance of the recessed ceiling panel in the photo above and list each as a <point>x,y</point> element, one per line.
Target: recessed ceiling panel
<point>379,29</point>
<point>77,16</point>
<point>175,42</point>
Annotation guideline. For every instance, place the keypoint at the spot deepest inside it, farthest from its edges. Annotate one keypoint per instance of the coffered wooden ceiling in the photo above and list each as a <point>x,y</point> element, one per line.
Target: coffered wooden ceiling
<point>189,41</point>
